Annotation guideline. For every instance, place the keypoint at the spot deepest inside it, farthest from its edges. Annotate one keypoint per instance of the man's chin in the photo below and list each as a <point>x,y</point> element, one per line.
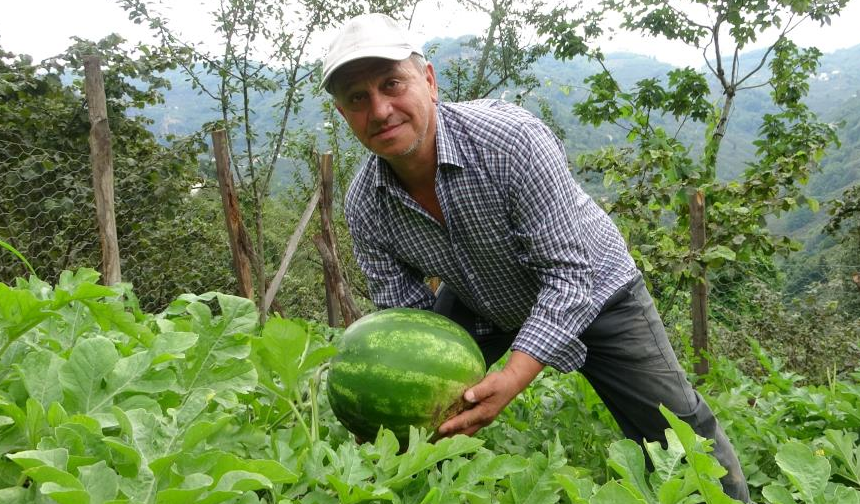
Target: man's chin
<point>395,153</point>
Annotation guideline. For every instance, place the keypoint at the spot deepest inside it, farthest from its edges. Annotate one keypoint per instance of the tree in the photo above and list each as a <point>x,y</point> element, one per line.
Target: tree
<point>845,217</point>
<point>658,173</point>
<point>498,59</point>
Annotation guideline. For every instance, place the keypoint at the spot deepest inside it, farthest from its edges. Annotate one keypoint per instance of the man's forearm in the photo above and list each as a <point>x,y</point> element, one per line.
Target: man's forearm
<point>522,368</point>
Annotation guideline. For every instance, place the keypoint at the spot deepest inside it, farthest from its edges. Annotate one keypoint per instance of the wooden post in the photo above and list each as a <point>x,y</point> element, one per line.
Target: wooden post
<point>101,158</point>
<point>331,268</point>
<point>240,244</point>
<point>699,304</point>
<point>338,298</point>
<point>325,204</point>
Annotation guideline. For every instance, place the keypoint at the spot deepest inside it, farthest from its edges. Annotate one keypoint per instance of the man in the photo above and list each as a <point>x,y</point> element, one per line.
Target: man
<point>480,195</point>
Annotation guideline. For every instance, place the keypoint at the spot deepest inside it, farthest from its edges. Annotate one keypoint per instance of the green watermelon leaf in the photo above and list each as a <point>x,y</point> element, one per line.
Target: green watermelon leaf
<point>843,447</point>
<point>100,481</point>
<point>626,458</point>
<point>615,493</point>
<point>807,472</point>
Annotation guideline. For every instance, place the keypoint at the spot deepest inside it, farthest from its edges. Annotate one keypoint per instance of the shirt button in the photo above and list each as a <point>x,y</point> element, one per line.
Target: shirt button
<point>471,276</point>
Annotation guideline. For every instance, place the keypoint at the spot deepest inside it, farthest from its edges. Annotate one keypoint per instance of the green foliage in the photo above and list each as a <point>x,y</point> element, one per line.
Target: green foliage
<point>814,332</point>
<point>138,397</point>
<point>795,442</point>
<point>17,254</point>
<point>845,217</point>
<point>200,403</point>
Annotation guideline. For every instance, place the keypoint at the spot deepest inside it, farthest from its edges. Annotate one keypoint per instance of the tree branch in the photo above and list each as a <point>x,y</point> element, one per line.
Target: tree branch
<point>720,73</point>
<point>763,84</point>
<point>788,28</point>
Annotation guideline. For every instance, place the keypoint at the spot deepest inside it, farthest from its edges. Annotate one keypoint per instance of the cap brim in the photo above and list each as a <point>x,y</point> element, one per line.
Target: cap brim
<point>394,54</point>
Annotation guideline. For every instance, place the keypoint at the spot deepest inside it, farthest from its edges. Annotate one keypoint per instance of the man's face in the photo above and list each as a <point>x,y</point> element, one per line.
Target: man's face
<point>389,105</point>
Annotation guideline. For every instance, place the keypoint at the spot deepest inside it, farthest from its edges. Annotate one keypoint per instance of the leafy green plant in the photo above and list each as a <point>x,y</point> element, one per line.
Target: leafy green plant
<point>200,403</point>
<point>808,474</point>
<point>17,254</point>
<point>844,450</point>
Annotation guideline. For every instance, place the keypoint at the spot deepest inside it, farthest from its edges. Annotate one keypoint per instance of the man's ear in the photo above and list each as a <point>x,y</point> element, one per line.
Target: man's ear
<point>430,76</point>
<point>339,109</point>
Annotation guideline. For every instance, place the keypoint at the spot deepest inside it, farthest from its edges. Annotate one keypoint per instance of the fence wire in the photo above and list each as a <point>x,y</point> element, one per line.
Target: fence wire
<point>47,211</point>
<point>167,243</point>
<point>813,330</point>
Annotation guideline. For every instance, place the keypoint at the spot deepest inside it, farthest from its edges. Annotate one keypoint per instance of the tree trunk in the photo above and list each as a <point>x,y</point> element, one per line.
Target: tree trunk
<point>481,70</point>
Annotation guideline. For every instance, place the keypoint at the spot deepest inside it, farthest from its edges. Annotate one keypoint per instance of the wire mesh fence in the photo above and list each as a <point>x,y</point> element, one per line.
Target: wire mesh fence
<point>47,212</point>
<point>169,245</point>
<point>828,283</point>
<point>169,228</point>
<point>814,329</point>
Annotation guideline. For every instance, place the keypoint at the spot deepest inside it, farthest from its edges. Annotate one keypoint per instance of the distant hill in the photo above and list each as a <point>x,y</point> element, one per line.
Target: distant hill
<point>833,96</point>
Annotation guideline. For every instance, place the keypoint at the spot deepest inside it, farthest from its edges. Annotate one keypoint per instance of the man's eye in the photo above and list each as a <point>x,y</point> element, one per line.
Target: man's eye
<point>393,84</point>
<point>356,98</point>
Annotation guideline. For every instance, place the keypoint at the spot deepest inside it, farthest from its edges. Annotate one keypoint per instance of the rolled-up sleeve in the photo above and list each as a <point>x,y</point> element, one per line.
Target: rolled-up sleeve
<point>547,211</point>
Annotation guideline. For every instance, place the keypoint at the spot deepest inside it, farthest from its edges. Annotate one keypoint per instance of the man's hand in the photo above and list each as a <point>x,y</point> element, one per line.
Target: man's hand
<point>492,394</point>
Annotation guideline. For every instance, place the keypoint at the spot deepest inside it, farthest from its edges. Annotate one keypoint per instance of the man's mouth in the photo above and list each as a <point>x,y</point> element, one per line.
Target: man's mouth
<point>386,130</point>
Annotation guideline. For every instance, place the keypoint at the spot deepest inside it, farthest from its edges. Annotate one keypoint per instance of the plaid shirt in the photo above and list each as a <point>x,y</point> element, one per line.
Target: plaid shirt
<point>522,246</point>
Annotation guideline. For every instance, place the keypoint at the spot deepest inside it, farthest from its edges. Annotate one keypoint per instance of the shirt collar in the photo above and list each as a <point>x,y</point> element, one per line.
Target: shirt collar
<point>447,153</point>
<point>383,174</point>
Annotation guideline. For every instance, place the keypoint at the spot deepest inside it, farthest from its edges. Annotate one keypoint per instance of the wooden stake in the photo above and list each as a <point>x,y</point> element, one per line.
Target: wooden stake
<point>240,243</point>
<point>699,304</point>
<point>339,301</point>
<point>349,310</point>
<point>292,246</point>
<point>101,158</point>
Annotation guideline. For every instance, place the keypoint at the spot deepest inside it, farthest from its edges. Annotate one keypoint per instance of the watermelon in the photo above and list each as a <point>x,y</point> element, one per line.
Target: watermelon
<point>399,367</point>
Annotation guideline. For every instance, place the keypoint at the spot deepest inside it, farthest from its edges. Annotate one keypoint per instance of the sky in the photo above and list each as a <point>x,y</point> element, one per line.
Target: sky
<point>42,28</point>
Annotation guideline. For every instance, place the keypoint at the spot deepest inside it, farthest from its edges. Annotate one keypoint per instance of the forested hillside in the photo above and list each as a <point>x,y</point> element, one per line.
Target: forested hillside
<point>833,95</point>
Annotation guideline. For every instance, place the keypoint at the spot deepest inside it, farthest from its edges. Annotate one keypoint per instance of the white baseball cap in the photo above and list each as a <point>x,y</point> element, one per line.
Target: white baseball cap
<point>367,36</point>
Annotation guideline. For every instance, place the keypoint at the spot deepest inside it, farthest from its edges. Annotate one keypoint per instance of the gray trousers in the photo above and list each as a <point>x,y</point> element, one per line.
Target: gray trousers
<point>633,369</point>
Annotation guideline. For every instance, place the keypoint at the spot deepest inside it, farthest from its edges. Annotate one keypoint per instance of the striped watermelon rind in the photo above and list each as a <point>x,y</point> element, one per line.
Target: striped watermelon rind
<point>399,367</point>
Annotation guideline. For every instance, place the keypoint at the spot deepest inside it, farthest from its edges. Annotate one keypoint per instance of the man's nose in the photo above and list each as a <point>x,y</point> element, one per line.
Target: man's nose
<point>380,106</point>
